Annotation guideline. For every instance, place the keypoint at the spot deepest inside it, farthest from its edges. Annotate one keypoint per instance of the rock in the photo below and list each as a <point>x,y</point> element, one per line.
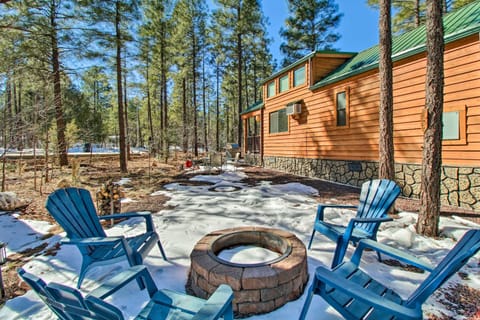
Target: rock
<point>10,202</point>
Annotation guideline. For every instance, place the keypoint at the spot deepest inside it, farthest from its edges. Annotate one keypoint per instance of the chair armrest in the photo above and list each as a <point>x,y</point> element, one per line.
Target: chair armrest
<point>390,251</point>
<point>122,279</point>
<point>371,220</point>
<point>216,306</point>
<point>321,207</point>
<point>143,214</point>
<point>93,241</point>
<point>107,241</point>
<point>351,289</point>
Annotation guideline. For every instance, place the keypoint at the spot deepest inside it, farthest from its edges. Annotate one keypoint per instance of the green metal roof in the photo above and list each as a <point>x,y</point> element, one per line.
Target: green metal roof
<point>254,107</point>
<point>458,24</point>
<point>302,60</point>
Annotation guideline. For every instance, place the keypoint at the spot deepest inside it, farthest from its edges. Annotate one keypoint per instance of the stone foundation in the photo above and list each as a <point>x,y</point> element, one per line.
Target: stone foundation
<point>460,185</point>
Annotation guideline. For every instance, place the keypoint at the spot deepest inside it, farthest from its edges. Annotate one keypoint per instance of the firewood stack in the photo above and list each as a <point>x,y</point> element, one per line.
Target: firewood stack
<point>108,193</point>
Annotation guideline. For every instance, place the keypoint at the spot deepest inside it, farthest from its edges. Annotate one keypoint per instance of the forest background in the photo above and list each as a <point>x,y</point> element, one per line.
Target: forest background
<point>151,73</point>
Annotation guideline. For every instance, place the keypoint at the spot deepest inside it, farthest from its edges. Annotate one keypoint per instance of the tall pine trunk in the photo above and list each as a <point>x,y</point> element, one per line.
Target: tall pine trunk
<point>165,141</point>
<point>428,216</point>
<point>386,147</point>
<point>151,140</point>
<point>57,89</point>
<point>217,109</point>
<point>121,120</point>
<point>204,102</point>
<point>240,55</point>
<point>184,115</point>
<point>194,92</point>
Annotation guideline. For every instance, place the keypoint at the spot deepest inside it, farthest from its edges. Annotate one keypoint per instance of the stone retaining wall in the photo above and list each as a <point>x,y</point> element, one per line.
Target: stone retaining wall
<point>460,185</point>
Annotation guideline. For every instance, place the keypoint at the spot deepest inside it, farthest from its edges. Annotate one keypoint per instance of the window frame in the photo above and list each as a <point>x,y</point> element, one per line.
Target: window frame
<point>270,122</point>
<point>462,125</point>
<point>304,76</point>
<point>347,107</point>
<point>268,89</point>
<point>286,76</point>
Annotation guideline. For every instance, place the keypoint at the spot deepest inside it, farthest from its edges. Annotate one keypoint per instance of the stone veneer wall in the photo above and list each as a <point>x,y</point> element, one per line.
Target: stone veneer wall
<point>460,185</point>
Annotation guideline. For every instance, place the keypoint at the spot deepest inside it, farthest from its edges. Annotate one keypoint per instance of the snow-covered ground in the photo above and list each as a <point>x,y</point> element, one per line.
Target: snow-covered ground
<point>196,211</point>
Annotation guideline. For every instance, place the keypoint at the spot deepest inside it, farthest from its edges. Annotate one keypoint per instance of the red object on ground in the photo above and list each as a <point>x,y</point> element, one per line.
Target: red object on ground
<point>188,163</point>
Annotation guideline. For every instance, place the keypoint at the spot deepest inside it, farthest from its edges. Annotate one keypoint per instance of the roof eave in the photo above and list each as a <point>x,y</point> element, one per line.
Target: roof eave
<point>306,58</point>
<point>399,56</point>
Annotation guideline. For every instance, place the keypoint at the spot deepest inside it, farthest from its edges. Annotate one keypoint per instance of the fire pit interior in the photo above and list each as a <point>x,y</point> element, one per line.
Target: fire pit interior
<point>260,286</point>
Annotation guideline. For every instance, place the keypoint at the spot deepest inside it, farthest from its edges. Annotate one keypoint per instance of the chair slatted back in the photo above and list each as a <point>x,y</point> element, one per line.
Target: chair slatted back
<point>74,210</point>
<point>39,286</point>
<point>79,308</point>
<point>465,248</point>
<point>376,198</point>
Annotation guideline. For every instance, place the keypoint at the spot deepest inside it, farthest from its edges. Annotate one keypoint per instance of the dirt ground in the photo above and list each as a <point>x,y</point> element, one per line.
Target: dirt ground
<point>146,176</point>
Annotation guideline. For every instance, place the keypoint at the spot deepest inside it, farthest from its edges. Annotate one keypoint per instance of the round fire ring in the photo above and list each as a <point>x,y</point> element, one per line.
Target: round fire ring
<point>259,287</point>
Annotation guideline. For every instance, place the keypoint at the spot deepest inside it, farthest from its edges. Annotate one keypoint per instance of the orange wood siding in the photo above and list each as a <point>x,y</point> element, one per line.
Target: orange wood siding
<point>315,134</point>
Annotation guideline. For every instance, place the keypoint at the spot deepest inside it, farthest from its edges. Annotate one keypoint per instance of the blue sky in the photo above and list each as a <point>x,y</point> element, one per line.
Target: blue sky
<point>358,27</point>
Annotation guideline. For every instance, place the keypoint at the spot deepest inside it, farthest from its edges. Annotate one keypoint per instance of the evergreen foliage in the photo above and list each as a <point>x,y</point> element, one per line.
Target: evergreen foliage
<point>309,27</point>
<point>410,14</point>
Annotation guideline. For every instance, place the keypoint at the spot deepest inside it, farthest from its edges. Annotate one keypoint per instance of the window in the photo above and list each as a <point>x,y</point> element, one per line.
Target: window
<point>451,125</point>
<point>299,76</point>
<point>253,134</point>
<point>278,121</point>
<point>284,84</point>
<point>454,125</point>
<point>341,108</point>
<point>271,89</point>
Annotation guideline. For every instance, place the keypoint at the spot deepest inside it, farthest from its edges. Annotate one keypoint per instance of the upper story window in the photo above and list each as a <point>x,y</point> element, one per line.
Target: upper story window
<point>278,121</point>
<point>341,103</point>
<point>284,83</point>
<point>271,89</point>
<point>299,76</point>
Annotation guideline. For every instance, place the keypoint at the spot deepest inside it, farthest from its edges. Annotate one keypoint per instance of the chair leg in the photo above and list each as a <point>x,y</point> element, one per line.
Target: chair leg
<point>340,251</point>
<point>161,250</point>
<point>308,300</point>
<point>311,239</point>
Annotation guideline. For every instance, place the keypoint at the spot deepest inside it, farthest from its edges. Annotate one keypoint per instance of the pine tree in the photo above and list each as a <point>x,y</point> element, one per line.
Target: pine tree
<point>110,31</point>
<point>44,24</point>
<point>386,168</point>
<point>429,213</point>
<point>309,27</point>
<point>409,14</point>
<point>156,31</point>
<point>238,41</point>
<point>189,38</point>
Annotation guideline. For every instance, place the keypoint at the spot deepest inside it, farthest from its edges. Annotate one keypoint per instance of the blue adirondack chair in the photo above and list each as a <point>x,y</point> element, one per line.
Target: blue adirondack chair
<point>353,293</point>
<point>376,198</point>
<point>68,303</point>
<point>74,210</point>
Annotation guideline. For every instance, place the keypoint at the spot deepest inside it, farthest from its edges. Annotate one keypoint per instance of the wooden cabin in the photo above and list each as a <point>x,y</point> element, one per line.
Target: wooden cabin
<point>319,116</point>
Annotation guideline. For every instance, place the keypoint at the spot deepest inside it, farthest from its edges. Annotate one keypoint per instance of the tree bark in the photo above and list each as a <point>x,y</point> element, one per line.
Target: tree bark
<point>386,148</point>
<point>57,90</point>
<point>184,113</point>
<point>429,213</point>
<point>194,92</point>
<point>121,120</point>
<point>204,102</point>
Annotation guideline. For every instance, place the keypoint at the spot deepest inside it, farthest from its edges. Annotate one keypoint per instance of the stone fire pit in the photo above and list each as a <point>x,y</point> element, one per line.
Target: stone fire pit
<point>258,287</point>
